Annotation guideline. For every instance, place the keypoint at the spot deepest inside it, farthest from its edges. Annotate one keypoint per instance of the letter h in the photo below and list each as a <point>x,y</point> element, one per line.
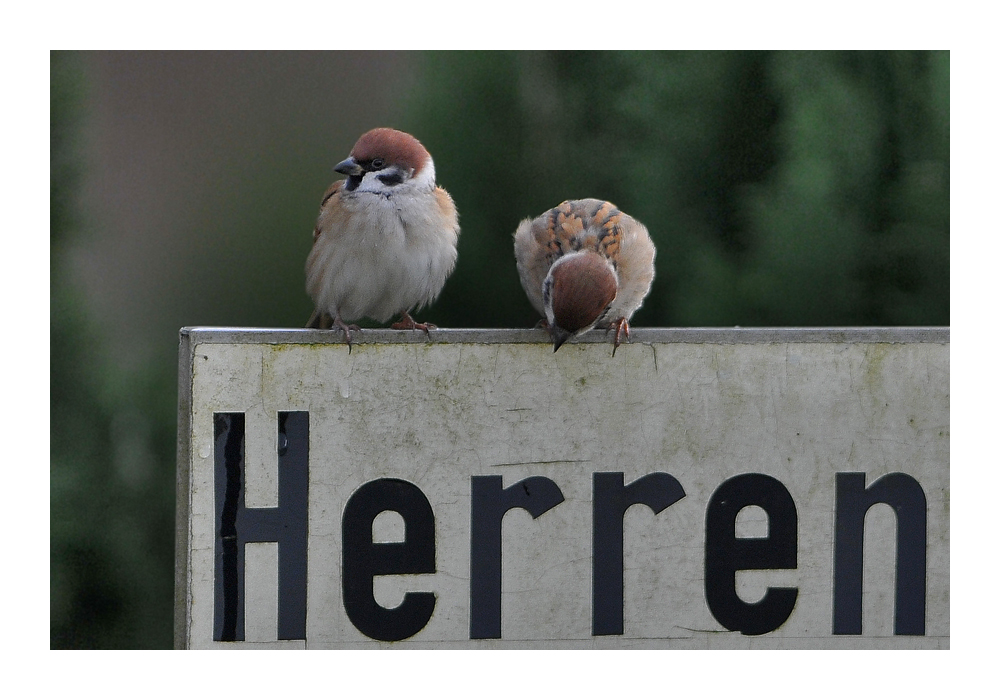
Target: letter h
<point>236,525</point>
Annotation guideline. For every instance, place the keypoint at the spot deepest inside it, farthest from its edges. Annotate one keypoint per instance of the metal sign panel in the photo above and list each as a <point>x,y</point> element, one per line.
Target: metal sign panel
<point>730,488</point>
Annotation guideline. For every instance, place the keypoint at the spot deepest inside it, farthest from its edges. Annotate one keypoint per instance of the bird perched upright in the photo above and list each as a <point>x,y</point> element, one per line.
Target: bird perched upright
<point>386,239</point>
<point>584,264</point>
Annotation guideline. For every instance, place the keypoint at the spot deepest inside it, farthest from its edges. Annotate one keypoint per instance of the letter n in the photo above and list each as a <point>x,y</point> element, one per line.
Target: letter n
<point>904,495</point>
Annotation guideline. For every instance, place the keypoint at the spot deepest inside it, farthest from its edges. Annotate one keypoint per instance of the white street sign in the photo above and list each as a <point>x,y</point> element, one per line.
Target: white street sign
<point>704,488</point>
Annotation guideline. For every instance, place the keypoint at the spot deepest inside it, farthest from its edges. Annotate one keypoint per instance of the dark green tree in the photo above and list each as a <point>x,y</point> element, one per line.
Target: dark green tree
<point>111,472</point>
<point>781,188</point>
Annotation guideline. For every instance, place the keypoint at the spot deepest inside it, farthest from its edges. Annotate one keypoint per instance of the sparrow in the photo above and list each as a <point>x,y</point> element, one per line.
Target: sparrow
<point>583,264</point>
<point>386,238</point>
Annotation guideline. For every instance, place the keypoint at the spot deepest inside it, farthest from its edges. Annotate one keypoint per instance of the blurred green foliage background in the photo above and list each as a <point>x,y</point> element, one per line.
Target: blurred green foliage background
<point>780,188</point>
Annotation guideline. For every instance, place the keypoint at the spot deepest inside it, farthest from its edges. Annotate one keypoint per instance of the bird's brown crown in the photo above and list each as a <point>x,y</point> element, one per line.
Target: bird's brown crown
<point>583,287</point>
<point>392,146</point>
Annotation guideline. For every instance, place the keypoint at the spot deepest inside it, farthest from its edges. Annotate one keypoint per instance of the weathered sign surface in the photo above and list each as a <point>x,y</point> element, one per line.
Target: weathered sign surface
<point>704,488</point>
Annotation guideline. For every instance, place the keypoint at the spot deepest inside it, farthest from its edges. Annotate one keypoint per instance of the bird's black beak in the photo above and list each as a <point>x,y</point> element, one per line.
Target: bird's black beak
<point>559,336</point>
<point>350,168</point>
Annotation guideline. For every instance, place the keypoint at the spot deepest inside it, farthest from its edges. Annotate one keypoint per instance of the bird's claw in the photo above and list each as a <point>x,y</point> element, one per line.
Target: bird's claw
<point>406,323</point>
<point>620,326</point>
<point>347,328</point>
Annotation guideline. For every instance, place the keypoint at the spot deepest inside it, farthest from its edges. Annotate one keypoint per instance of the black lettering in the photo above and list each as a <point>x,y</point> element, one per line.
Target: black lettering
<point>725,554</point>
<point>490,502</point>
<point>611,499</point>
<point>364,559</point>
<point>904,495</point>
<point>236,525</point>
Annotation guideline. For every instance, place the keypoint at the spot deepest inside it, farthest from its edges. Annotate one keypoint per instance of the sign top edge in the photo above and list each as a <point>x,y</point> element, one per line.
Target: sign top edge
<point>719,336</point>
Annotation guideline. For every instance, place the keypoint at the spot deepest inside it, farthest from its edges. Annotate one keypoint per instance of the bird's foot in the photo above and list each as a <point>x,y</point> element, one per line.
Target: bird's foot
<point>338,322</point>
<point>324,321</point>
<point>621,326</point>
<point>406,323</point>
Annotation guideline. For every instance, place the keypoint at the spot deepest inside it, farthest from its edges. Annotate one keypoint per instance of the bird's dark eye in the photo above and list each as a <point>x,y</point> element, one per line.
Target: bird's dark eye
<point>378,163</point>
